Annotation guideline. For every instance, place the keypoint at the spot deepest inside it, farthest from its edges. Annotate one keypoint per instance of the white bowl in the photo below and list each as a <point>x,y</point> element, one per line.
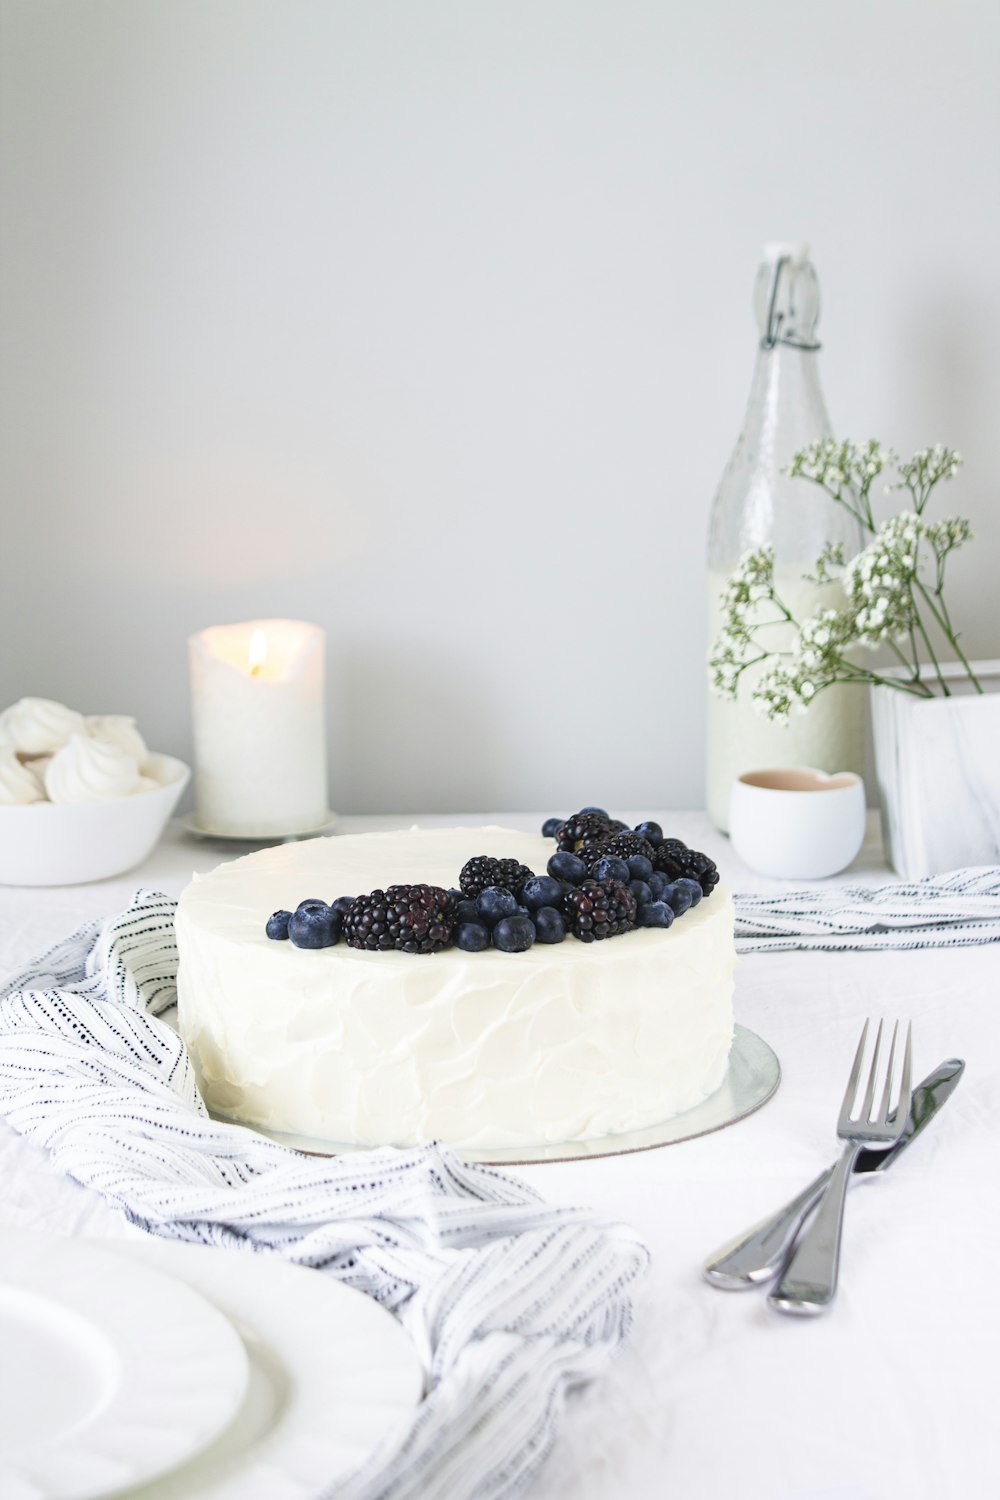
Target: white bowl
<point>48,843</point>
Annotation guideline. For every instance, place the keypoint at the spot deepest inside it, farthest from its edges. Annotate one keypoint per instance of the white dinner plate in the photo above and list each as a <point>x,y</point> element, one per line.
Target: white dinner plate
<point>331,1374</point>
<point>110,1372</point>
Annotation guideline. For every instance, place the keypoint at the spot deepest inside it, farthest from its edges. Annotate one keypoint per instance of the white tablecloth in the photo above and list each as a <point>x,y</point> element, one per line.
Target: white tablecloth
<point>890,1393</point>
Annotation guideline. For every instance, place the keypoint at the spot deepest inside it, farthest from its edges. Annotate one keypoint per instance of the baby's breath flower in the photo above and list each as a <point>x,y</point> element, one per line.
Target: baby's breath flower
<point>884,587</point>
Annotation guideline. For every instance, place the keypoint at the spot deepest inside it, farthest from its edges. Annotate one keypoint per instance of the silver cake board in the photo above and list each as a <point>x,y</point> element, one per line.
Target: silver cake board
<point>753,1075</point>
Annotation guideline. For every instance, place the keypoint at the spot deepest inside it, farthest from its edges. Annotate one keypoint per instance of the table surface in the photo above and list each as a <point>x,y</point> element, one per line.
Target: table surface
<point>718,1396</point>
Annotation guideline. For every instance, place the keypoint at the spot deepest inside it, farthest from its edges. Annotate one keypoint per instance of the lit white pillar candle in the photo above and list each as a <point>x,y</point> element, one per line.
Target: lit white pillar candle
<point>257,708</point>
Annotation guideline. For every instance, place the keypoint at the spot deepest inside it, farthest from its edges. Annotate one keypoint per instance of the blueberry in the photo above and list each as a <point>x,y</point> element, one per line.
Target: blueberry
<point>550,925</point>
<point>540,890</point>
<point>549,827</point>
<point>494,903</point>
<point>472,937</point>
<point>342,904</point>
<point>566,866</point>
<point>277,925</point>
<point>467,910</point>
<point>676,897</point>
<point>685,882</point>
<point>655,914</point>
<point>313,903</point>
<point>651,832</point>
<point>658,883</point>
<point>610,867</point>
<point>619,826</point>
<point>601,812</point>
<point>640,891</point>
<point>315,925</point>
<point>639,867</point>
<point>514,934</point>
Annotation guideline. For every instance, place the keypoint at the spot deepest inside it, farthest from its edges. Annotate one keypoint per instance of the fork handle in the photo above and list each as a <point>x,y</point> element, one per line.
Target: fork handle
<point>809,1281</point>
<point>757,1254</point>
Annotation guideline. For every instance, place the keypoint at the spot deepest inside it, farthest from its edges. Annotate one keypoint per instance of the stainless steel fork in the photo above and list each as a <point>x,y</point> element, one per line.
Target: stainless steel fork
<point>809,1280</point>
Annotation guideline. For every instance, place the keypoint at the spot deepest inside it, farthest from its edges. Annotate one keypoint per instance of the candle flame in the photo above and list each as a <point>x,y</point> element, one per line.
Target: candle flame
<point>258,651</point>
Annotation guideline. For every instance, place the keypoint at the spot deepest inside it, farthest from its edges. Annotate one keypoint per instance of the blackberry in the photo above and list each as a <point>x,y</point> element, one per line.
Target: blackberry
<point>408,918</point>
<point>676,860</point>
<point>483,870</point>
<point>594,911</point>
<point>582,829</point>
<point>624,845</point>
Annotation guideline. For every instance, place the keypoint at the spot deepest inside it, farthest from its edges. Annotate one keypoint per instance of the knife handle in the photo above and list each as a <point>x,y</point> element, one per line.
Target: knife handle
<point>809,1281</point>
<point>758,1253</point>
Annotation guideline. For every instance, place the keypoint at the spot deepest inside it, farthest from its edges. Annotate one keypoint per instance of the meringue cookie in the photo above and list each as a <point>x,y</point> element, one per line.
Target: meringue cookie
<point>18,784</point>
<point>120,730</point>
<point>37,726</point>
<point>89,770</point>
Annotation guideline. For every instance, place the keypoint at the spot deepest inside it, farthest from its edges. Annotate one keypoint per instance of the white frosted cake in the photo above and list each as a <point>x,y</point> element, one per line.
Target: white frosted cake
<point>565,1042</point>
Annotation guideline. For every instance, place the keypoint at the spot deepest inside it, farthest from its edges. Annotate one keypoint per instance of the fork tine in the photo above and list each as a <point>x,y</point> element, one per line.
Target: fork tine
<point>866,1110</point>
<point>883,1113</point>
<point>847,1107</point>
<point>904,1082</point>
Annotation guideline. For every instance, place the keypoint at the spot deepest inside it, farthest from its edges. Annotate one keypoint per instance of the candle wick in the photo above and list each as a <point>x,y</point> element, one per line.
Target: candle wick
<point>255,669</point>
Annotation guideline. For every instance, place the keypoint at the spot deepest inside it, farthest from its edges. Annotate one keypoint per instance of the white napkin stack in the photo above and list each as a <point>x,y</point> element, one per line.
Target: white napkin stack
<point>943,911</point>
<point>508,1300</point>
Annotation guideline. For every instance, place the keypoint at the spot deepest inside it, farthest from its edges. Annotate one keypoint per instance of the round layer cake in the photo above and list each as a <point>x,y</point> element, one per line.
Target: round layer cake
<point>565,1042</point>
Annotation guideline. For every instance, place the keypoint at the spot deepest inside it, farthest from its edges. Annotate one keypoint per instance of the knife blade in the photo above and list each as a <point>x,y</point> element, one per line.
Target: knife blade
<point>758,1253</point>
<point>925,1101</point>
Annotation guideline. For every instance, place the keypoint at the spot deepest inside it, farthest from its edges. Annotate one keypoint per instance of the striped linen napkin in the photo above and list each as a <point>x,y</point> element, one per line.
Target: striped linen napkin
<point>509,1301</point>
<point>943,911</point>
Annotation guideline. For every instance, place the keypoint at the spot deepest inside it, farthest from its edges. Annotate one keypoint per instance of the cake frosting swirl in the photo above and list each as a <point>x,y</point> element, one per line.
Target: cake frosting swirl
<point>556,1044</point>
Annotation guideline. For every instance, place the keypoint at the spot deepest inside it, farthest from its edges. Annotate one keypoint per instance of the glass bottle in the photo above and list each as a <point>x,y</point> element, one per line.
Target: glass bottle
<point>756,505</point>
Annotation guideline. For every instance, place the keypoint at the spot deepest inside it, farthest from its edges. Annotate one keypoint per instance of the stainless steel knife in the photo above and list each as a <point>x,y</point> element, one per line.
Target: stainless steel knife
<point>758,1253</point>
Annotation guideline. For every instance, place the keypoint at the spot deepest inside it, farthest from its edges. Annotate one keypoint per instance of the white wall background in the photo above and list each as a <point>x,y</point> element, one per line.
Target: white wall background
<point>430,322</point>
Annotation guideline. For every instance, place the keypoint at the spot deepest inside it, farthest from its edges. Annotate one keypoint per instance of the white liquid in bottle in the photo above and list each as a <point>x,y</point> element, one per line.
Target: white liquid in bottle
<point>739,738</point>
<point>758,505</point>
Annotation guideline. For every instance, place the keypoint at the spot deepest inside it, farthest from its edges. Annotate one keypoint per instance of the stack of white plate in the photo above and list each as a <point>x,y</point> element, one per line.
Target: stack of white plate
<point>175,1372</point>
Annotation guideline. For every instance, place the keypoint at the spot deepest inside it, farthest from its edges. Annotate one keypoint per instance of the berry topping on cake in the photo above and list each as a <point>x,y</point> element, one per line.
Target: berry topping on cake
<point>408,918</point>
<point>594,911</point>
<point>625,845</point>
<point>550,925</point>
<point>567,867</point>
<point>608,867</point>
<point>314,924</point>
<point>604,879</point>
<point>540,890</point>
<point>656,914</point>
<point>514,934</point>
<point>483,870</point>
<point>472,937</point>
<point>651,832</point>
<point>676,859</point>
<point>495,902</point>
<point>277,925</point>
<point>582,829</point>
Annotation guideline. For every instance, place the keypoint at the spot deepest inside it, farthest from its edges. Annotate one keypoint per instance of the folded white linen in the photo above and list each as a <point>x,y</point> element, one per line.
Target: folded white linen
<point>509,1301</point>
<point>942,911</point>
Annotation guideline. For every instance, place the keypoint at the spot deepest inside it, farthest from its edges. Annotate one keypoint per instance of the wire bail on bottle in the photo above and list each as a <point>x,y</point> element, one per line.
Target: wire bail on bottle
<point>773,333</point>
